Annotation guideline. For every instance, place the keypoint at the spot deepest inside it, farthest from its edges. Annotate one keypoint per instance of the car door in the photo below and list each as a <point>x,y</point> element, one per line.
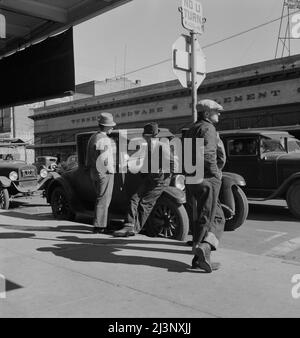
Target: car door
<point>243,158</point>
<point>270,149</point>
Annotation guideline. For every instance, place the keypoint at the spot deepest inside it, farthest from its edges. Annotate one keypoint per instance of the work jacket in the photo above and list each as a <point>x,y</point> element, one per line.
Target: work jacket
<point>206,130</point>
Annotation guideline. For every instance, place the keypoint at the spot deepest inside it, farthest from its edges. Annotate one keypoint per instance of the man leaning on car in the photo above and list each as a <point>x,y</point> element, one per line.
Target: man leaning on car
<point>210,222</point>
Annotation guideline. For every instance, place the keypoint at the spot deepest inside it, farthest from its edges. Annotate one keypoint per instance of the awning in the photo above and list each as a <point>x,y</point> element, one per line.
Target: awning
<point>36,63</point>
<point>27,21</point>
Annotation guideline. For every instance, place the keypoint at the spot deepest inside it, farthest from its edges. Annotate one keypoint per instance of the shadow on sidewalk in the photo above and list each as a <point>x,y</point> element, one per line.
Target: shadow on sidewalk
<point>74,229</point>
<point>22,215</point>
<point>110,251</point>
<point>15,235</point>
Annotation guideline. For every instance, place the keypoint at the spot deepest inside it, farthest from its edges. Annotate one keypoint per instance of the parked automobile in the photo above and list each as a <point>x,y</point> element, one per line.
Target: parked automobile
<point>70,163</point>
<point>17,178</point>
<point>46,162</point>
<point>269,160</point>
<point>73,193</point>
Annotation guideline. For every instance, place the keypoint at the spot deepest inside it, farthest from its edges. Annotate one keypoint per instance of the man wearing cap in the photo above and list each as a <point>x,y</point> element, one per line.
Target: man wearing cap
<point>153,184</point>
<point>101,171</point>
<point>210,222</point>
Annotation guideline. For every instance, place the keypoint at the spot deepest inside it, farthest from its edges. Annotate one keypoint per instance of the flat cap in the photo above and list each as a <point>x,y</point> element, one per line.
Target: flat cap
<point>208,105</point>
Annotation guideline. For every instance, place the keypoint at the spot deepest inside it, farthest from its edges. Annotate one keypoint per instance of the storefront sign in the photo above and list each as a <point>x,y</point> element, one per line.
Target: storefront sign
<point>237,99</point>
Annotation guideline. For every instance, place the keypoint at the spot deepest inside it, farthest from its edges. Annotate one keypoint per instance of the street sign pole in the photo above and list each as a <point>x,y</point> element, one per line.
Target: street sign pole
<point>194,83</point>
<point>192,20</point>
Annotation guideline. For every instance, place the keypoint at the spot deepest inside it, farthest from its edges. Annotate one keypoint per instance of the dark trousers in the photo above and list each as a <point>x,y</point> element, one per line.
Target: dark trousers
<point>210,217</point>
<point>143,201</point>
<point>104,188</point>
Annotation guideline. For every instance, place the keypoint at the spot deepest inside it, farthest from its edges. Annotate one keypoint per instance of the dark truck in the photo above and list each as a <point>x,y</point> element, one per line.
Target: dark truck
<point>17,178</point>
<point>269,160</point>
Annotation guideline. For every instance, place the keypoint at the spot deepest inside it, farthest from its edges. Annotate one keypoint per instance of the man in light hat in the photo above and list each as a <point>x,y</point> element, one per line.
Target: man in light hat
<point>152,186</point>
<point>210,222</point>
<point>101,173</point>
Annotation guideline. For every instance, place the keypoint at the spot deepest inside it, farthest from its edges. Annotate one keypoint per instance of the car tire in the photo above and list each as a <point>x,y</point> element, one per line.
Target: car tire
<point>293,199</point>
<point>4,199</point>
<point>241,210</point>
<point>168,220</point>
<point>60,205</point>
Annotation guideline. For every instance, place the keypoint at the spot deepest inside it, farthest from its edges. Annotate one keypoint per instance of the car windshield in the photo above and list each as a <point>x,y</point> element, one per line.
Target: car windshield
<point>293,145</point>
<point>268,145</point>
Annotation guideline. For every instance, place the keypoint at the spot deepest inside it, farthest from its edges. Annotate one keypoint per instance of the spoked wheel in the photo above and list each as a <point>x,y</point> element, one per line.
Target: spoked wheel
<point>60,205</point>
<point>168,220</point>
<point>4,199</point>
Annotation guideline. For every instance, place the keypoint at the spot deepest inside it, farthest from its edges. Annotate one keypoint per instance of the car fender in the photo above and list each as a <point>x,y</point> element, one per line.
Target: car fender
<point>176,195</point>
<point>226,193</point>
<point>282,190</point>
<point>5,182</point>
<point>284,187</point>
<point>230,179</point>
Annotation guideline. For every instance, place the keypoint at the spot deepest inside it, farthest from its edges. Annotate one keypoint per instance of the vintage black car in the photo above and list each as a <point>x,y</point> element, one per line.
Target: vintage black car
<point>17,178</point>
<point>72,193</point>
<point>269,160</point>
<point>46,162</point>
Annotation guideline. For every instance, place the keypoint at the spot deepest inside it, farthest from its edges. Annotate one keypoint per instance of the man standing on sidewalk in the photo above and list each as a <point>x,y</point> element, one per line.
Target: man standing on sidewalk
<point>210,222</point>
<point>102,175</point>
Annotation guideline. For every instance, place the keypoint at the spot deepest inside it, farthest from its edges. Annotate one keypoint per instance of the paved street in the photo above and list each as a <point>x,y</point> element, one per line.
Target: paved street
<point>58,268</point>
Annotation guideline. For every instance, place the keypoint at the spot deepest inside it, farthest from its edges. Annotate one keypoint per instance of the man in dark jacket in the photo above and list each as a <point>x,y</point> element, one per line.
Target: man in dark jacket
<point>153,184</point>
<point>210,218</point>
<point>101,170</point>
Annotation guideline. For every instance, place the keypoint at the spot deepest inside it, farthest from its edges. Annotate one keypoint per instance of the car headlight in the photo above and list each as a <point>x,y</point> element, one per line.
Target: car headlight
<point>13,176</point>
<point>179,182</point>
<point>43,173</point>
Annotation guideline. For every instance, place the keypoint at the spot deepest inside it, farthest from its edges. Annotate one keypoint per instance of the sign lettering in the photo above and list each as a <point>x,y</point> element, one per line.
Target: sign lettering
<point>191,12</point>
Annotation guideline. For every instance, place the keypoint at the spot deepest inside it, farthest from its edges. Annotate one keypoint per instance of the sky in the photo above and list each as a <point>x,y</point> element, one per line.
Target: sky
<point>142,32</point>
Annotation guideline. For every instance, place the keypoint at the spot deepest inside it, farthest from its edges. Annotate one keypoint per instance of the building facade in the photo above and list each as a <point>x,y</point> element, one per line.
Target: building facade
<point>263,94</point>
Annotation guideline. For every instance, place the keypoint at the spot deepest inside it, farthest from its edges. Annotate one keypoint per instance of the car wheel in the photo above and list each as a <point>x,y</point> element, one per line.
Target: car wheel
<point>241,210</point>
<point>60,205</point>
<point>293,199</point>
<point>4,199</point>
<point>168,220</point>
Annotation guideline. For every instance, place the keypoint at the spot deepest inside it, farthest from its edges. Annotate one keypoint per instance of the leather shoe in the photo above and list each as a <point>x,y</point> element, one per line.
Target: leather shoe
<point>202,251</point>
<point>124,232</point>
<point>196,267</point>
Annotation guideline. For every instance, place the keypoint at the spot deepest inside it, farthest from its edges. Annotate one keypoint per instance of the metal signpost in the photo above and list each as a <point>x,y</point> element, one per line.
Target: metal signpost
<point>188,57</point>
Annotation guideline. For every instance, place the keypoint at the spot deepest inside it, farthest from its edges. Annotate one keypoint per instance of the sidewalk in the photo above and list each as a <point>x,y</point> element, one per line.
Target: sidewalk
<point>60,269</point>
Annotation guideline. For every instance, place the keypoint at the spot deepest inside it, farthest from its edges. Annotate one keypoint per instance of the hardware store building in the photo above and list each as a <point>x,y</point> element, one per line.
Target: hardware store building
<point>263,94</point>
